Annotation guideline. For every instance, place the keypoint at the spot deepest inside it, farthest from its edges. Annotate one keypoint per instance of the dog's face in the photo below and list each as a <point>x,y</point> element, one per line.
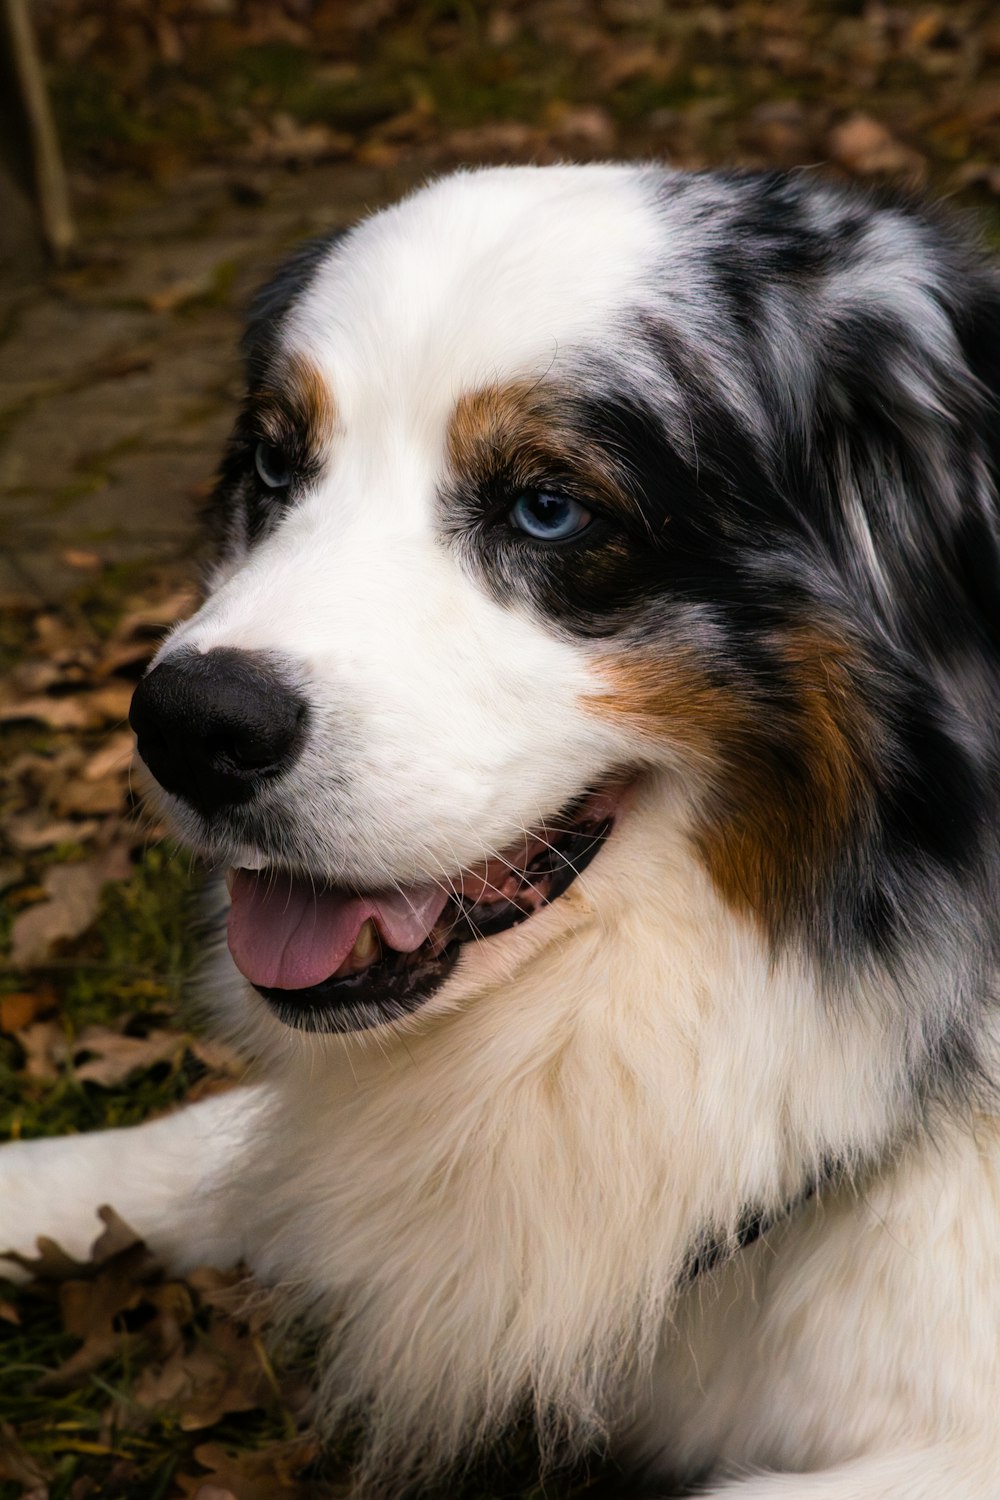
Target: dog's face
<point>550,483</point>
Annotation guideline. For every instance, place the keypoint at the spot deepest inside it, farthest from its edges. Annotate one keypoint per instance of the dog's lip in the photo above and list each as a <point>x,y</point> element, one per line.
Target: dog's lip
<point>390,972</point>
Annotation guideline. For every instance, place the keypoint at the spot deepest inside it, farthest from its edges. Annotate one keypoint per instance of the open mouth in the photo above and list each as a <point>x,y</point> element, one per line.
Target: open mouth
<point>330,959</point>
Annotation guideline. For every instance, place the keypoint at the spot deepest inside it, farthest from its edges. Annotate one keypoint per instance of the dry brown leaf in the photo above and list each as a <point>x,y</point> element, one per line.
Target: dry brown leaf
<point>150,617</point>
<point>110,703</point>
<point>39,771</point>
<point>229,1374</point>
<point>288,141</point>
<point>261,1475</point>
<point>21,1467</point>
<point>132,653</point>
<point>78,557</point>
<point>34,675</point>
<point>178,293</point>
<point>223,1373</point>
<point>82,710</point>
<point>30,832</point>
<point>112,1057</point>
<point>112,758</point>
<point>57,713</point>
<point>19,1008</point>
<point>585,127</point>
<point>74,896</point>
<point>56,631</point>
<point>862,144</point>
<point>114,1302</point>
<point>51,1263</point>
<point>116,1236</point>
<point>45,1050</point>
<point>91,797</point>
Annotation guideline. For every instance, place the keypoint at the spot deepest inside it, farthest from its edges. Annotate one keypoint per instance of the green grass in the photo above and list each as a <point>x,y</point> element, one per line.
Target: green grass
<point>130,1455</point>
<point>137,957</point>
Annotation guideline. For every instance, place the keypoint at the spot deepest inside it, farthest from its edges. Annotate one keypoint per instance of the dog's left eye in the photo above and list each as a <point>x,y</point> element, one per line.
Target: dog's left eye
<point>271,463</point>
<point>547,517</point>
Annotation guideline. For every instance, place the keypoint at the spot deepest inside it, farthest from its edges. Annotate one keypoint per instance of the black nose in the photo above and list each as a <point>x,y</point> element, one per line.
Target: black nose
<point>213,728</point>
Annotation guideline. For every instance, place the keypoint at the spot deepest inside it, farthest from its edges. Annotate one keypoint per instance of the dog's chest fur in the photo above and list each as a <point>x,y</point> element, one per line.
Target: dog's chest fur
<point>505,1199</point>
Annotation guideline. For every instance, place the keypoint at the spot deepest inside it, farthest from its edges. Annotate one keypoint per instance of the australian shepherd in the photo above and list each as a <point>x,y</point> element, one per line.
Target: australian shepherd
<point>596,707</point>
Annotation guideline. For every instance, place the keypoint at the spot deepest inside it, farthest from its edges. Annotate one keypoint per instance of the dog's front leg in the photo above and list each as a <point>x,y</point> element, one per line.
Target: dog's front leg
<point>956,1470</point>
<point>173,1180</point>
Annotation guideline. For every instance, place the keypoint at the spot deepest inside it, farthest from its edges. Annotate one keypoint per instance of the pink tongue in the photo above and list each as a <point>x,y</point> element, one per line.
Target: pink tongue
<point>286,935</point>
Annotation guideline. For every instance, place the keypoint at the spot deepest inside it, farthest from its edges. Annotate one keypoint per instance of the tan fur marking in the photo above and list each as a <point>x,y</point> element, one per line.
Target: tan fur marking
<point>298,402</point>
<point>527,429</point>
<point>766,835</point>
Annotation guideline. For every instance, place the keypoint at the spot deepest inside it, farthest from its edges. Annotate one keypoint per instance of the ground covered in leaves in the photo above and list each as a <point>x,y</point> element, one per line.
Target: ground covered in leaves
<point>203,137</point>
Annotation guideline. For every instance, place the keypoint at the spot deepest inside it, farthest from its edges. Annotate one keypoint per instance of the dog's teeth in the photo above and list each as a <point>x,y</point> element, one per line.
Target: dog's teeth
<point>230,880</point>
<point>366,944</point>
<point>252,860</point>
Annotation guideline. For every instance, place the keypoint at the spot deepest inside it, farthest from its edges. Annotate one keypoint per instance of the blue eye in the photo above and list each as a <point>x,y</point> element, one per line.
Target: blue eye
<point>548,518</point>
<point>272,466</point>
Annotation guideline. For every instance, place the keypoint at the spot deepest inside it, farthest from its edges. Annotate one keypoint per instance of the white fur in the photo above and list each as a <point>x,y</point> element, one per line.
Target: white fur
<point>505,1193</point>
<point>494,1199</point>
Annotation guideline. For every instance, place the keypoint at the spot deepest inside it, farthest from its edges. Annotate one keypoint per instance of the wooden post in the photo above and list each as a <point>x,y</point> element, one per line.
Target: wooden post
<point>49,175</point>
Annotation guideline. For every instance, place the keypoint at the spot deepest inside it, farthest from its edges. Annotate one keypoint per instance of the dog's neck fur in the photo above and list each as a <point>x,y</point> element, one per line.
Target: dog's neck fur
<point>442,1159</point>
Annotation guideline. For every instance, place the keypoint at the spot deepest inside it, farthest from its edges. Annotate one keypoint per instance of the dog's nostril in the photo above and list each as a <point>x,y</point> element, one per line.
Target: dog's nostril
<point>213,727</point>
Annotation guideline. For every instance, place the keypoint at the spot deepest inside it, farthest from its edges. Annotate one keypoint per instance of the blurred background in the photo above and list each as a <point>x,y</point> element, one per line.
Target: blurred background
<point>156,158</point>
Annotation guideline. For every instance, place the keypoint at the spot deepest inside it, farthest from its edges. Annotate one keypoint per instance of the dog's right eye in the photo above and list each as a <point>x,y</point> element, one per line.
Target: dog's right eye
<point>272,465</point>
<point>548,517</point>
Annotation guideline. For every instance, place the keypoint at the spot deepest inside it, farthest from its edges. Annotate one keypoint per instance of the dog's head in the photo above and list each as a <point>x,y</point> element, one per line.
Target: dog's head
<point>564,495</point>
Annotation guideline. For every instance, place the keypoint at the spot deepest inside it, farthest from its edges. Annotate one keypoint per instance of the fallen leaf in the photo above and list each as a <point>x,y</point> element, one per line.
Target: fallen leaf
<point>74,897</point>
<point>380,155</point>
<point>585,127</point>
<point>112,1303</point>
<point>45,1050</point>
<point>57,713</point>
<point>30,832</point>
<point>82,710</point>
<point>50,1264</point>
<point>26,895</point>
<point>112,1057</point>
<point>116,1236</point>
<point>222,1374</point>
<point>260,1475</point>
<point>35,676</point>
<point>155,615</point>
<point>179,293</point>
<point>862,144</point>
<point>20,1007</point>
<point>110,703</point>
<point>77,557</point>
<point>21,1467</point>
<point>113,757</point>
<point>91,798</point>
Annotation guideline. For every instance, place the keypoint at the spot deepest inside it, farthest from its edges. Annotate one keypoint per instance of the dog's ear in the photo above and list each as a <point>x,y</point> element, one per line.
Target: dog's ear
<point>907,436</point>
<point>275,299</point>
<point>978,328</point>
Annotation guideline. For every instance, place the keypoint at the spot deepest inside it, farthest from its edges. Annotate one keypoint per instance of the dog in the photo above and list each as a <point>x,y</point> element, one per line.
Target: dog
<point>596,705</point>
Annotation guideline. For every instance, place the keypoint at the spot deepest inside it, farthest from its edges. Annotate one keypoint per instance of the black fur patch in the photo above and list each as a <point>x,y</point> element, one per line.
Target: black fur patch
<point>804,455</point>
<point>239,501</point>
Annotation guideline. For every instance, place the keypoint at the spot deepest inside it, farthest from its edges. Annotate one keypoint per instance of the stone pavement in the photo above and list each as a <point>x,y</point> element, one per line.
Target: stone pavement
<point>119,379</point>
